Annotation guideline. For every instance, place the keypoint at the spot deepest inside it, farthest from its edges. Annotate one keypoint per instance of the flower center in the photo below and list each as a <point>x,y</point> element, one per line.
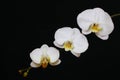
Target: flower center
<point>68,46</point>
<point>44,62</point>
<point>95,28</point>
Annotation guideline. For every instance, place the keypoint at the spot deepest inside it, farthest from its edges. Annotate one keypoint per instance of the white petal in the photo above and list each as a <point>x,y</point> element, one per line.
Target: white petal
<point>105,22</point>
<point>53,54</point>
<point>57,45</point>
<point>104,18</point>
<point>104,37</point>
<point>34,65</point>
<point>56,63</point>
<point>63,34</point>
<point>76,54</point>
<point>106,29</point>
<point>85,19</point>
<point>99,15</point>
<point>80,42</point>
<point>36,55</point>
<point>86,32</point>
<point>44,49</point>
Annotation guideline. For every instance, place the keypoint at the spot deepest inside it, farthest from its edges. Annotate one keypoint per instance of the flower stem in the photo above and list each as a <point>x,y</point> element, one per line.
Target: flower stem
<point>114,15</point>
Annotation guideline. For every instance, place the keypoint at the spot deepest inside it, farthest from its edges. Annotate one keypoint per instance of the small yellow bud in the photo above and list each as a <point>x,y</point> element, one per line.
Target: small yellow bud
<point>25,74</point>
<point>20,71</point>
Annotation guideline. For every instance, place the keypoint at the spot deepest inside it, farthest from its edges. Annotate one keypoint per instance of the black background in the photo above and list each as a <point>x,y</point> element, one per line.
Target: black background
<point>36,23</point>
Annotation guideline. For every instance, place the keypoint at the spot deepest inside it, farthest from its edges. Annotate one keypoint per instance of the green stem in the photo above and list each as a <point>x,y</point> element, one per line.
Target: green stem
<point>114,15</point>
<point>29,69</point>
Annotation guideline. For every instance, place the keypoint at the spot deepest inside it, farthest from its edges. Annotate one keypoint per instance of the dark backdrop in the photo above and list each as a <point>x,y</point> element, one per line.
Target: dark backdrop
<point>36,23</point>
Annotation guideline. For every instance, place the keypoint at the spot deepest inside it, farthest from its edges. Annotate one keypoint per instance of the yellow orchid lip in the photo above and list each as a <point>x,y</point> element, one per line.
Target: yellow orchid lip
<point>68,46</point>
<point>44,62</point>
<point>95,28</point>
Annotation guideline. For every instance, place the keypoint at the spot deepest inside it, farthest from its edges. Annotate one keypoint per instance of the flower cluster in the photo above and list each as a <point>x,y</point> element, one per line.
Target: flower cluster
<point>95,21</point>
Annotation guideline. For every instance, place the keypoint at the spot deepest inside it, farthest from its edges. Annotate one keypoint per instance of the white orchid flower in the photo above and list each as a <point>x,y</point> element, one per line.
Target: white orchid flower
<point>44,55</point>
<point>97,21</point>
<point>71,40</point>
